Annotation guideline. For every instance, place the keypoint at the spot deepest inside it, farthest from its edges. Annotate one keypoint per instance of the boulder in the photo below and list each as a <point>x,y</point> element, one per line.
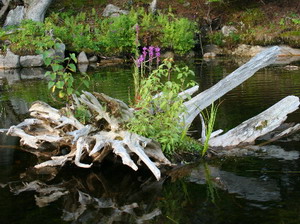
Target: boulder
<point>288,51</point>
<point>247,50</point>
<point>82,68</point>
<point>209,55</point>
<point>14,16</point>
<point>10,60</point>
<point>93,59</point>
<point>31,61</point>
<point>10,75</point>
<point>82,58</point>
<point>58,52</point>
<point>112,10</point>
<point>212,48</point>
<point>168,54</point>
<point>32,73</point>
<point>227,30</point>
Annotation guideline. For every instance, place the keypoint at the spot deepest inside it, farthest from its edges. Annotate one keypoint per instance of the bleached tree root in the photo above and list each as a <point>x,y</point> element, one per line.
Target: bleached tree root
<point>92,142</point>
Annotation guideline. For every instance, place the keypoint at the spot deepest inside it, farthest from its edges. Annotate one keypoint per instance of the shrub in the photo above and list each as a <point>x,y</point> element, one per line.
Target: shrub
<point>29,38</point>
<point>177,33</point>
<point>158,117</point>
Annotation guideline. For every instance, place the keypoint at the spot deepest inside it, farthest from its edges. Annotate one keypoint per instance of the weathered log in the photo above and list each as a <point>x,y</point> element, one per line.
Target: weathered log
<point>259,125</point>
<point>207,97</point>
<point>61,129</point>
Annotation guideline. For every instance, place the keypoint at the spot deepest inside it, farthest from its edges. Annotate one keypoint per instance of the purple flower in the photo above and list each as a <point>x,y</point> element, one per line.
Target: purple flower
<point>145,51</point>
<point>140,60</point>
<point>151,53</point>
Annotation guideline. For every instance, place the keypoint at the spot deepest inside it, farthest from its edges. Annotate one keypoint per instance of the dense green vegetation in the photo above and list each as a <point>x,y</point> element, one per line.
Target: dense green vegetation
<point>105,36</point>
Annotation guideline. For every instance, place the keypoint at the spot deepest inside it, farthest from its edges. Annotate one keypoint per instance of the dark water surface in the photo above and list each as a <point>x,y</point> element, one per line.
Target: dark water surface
<point>232,190</point>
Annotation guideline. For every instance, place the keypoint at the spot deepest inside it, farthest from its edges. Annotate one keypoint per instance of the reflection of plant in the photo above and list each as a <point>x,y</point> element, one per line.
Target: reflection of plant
<point>211,189</point>
<point>61,77</point>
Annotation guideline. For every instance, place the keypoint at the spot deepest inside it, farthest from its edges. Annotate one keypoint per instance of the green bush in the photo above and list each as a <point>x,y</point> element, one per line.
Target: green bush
<point>110,36</point>
<point>117,34</point>
<point>158,117</point>
<point>29,38</point>
<point>177,33</point>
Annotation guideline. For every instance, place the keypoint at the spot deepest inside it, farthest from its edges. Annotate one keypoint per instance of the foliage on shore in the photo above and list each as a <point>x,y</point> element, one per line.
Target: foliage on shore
<point>106,36</point>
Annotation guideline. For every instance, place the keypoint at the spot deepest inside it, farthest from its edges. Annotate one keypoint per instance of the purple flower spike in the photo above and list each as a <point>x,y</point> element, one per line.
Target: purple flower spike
<point>145,51</point>
<point>140,60</point>
<point>151,53</point>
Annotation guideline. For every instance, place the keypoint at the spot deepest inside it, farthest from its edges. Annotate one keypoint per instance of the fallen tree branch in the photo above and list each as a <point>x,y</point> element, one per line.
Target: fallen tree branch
<point>259,125</point>
<point>195,105</point>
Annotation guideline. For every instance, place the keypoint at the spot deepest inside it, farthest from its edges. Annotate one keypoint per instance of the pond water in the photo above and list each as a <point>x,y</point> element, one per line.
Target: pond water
<point>232,190</point>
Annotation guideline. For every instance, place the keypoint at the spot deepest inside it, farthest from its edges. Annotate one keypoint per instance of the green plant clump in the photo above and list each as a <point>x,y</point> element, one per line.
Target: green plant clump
<point>116,35</point>
<point>29,38</point>
<point>61,77</point>
<point>158,117</point>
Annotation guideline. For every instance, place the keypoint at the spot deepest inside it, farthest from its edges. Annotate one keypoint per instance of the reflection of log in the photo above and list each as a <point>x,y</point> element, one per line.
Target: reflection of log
<point>249,188</point>
<point>207,97</point>
<point>92,142</point>
<point>259,125</point>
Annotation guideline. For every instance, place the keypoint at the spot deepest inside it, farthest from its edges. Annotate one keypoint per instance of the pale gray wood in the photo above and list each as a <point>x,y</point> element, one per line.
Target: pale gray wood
<point>207,97</point>
<point>259,125</point>
<point>36,9</point>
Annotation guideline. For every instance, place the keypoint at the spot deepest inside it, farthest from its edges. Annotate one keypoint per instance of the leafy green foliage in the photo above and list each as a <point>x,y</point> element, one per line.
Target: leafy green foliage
<point>61,77</point>
<point>177,33</point>
<point>28,38</point>
<point>159,117</point>
<point>116,35</point>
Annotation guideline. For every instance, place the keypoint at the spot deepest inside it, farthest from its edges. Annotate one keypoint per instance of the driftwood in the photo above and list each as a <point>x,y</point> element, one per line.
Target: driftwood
<point>265,122</point>
<point>59,129</point>
<point>250,130</point>
<point>207,97</point>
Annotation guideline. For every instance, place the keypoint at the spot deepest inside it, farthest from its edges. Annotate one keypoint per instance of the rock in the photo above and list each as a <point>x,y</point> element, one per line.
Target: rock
<point>10,60</point>
<point>227,30</point>
<point>112,10</point>
<point>186,4</point>
<point>82,58</point>
<point>212,48</point>
<point>247,50</point>
<point>153,6</point>
<point>190,54</point>
<point>291,67</point>
<point>32,73</point>
<point>168,54</point>
<point>31,61</point>
<point>14,16</point>
<point>10,75</point>
<point>93,59</point>
<point>58,52</point>
<point>110,62</point>
<point>288,51</point>
<point>210,55</point>
<point>82,68</point>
